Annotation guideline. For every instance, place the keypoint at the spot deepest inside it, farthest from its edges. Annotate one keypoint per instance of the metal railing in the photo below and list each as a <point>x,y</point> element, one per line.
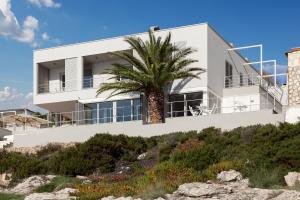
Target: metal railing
<point>244,80</point>
<point>195,107</point>
<point>58,86</point>
<point>94,116</point>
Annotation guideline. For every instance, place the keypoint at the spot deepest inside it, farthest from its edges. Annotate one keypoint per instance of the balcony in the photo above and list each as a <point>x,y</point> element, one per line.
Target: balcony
<point>246,80</point>
<point>67,86</point>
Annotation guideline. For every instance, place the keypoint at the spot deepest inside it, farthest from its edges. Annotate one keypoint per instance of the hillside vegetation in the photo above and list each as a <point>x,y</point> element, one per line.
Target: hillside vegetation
<point>263,153</point>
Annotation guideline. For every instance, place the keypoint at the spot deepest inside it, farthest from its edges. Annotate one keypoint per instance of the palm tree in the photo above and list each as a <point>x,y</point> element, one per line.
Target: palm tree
<point>157,64</point>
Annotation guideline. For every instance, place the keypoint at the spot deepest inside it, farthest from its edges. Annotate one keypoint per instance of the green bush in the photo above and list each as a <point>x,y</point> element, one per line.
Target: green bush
<point>4,196</point>
<point>100,152</point>
<point>57,183</point>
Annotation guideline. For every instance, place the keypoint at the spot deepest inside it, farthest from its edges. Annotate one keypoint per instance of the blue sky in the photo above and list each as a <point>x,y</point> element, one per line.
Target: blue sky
<point>45,23</point>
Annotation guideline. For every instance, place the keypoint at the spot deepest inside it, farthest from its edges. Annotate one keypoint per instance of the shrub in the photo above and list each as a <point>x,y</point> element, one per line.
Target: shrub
<point>4,196</point>
<point>57,183</point>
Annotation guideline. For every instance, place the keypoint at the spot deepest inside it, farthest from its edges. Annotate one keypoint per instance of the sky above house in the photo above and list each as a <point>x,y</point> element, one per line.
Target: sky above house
<point>26,25</point>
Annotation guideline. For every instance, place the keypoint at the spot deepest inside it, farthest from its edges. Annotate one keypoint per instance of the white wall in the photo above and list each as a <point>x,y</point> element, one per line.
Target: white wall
<point>217,55</point>
<point>135,128</point>
<point>242,99</point>
<point>99,69</point>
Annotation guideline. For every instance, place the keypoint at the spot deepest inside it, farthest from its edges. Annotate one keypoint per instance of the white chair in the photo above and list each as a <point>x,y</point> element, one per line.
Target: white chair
<point>194,113</point>
<point>208,111</point>
<point>238,106</point>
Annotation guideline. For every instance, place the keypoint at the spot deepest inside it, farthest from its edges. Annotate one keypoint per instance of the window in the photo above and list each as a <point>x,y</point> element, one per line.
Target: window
<point>241,79</point>
<point>88,78</point>
<point>228,75</point>
<point>105,112</point>
<point>124,110</point>
<point>62,81</point>
<point>90,113</point>
<point>179,104</point>
<point>193,100</point>
<point>136,109</point>
<point>176,105</point>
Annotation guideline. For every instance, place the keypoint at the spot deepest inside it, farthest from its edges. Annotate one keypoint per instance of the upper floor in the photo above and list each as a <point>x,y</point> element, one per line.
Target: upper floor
<point>75,72</point>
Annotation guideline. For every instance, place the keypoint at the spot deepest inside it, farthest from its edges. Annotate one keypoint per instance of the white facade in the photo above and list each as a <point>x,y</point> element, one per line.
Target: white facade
<point>67,77</point>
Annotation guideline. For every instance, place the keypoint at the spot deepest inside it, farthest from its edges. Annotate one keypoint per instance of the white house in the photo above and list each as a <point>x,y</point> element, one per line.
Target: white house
<point>231,92</point>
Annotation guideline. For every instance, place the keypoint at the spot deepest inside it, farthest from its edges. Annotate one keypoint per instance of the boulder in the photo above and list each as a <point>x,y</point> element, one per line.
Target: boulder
<point>5,179</point>
<point>63,194</point>
<point>291,178</point>
<point>202,190</point>
<point>82,177</point>
<point>231,175</point>
<point>31,183</point>
<point>142,156</point>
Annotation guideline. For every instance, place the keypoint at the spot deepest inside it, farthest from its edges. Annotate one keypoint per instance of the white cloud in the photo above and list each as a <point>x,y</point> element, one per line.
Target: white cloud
<point>11,98</point>
<point>45,36</point>
<point>45,3</point>
<point>10,27</point>
<point>9,94</point>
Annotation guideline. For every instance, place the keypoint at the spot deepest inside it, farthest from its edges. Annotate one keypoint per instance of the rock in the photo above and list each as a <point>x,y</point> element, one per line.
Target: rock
<point>142,156</point>
<point>231,175</point>
<point>30,184</point>
<point>63,194</point>
<point>202,190</point>
<point>291,178</point>
<point>230,187</point>
<point>108,198</point>
<point>82,177</point>
<point>288,195</point>
<point>5,179</point>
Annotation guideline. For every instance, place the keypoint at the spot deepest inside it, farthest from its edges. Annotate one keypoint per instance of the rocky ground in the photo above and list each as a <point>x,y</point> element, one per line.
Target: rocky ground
<point>230,185</point>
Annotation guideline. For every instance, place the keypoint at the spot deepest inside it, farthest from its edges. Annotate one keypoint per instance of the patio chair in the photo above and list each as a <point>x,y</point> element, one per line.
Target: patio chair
<point>194,113</point>
<point>208,111</point>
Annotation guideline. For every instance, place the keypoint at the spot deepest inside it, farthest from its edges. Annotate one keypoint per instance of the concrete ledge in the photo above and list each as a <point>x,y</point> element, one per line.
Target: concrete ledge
<point>136,128</point>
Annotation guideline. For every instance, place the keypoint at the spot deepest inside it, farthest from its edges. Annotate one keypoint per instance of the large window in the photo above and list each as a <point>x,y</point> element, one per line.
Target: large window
<point>90,113</point>
<point>228,75</point>
<point>88,78</point>
<point>105,112</point>
<point>124,110</point>
<point>193,101</point>
<point>182,104</point>
<point>176,105</point>
<point>136,109</point>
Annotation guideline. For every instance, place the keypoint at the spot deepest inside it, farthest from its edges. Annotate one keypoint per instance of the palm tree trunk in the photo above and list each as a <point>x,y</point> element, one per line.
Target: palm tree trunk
<point>156,107</point>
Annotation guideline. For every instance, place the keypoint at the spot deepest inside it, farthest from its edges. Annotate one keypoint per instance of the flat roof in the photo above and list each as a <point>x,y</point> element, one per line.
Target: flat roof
<point>122,36</point>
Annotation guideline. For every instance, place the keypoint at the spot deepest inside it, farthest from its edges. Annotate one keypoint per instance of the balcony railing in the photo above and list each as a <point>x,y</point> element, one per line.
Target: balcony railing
<point>193,108</point>
<point>244,80</point>
<point>57,86</point>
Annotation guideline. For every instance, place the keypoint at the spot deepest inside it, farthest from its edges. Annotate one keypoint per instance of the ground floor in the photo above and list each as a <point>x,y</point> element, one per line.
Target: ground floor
<point>196,103</point>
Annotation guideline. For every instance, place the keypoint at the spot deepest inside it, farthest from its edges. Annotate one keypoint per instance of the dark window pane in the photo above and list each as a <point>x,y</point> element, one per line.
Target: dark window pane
<point>123,110</point>
<point>136,109</point>
<point>193,101</point>
<point>90,112</point>
<point>176,105</point>
<point>105,112</point>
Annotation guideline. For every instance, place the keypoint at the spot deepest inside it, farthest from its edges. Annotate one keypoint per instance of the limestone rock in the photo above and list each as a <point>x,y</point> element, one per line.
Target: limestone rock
<point>202,190</point>
<point>30,184</point>
<point>5,179</point>
<point>231,175</point>
<point>230,187</point>
<point>142,156</point>
<point>63,194</point>
<point>291,178</point>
